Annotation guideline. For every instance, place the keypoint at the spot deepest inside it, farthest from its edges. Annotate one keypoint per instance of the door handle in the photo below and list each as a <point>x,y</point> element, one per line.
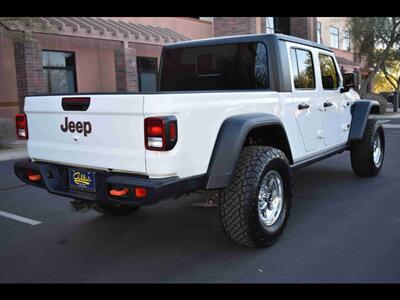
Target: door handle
<point>303,106</point>
<point>327,104</point>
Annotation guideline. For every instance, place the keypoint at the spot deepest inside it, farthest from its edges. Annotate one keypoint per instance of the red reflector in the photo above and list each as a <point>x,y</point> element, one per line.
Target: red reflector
<point>172,131</point>
<point>33,175</point>
<point>119,192</point>
<point>36,177</point>
<point>21,124</point>
<point>140,192</point>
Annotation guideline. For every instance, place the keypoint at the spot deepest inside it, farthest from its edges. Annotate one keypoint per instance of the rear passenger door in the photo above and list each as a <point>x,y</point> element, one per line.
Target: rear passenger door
<point>334,105</point>
<point>306,104</point>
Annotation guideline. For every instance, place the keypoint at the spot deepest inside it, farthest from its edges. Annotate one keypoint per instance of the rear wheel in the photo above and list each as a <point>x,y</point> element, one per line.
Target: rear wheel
<point>255,207</point>
<point>368,153</point>
<point>116,210</point>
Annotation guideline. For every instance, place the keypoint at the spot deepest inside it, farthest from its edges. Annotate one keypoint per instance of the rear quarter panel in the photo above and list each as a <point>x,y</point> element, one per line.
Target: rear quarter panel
<point>200,116</point>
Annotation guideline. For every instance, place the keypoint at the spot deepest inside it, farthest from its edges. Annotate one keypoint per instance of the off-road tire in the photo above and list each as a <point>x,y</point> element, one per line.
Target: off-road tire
<point>362,161</point>
<point>239,201</point>
<point>116,210</point>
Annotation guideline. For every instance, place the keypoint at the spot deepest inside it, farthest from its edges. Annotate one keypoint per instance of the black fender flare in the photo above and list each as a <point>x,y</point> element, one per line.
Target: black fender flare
<point>229,144</point>
<point>360,111</point>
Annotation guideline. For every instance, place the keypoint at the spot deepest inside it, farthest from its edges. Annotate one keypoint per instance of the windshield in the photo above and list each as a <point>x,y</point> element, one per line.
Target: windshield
<point>238,66</point>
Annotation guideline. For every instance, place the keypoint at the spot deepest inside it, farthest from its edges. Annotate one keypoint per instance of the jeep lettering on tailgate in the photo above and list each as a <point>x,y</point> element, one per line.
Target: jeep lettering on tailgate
<point>79,127</point>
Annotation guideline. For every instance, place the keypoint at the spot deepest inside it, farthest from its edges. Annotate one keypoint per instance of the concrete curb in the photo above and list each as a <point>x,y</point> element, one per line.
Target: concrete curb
<point>18,151</point>
<point>386,116</point>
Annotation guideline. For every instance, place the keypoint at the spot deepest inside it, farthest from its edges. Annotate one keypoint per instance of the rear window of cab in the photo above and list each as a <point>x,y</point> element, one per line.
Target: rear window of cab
<point>238,66</point>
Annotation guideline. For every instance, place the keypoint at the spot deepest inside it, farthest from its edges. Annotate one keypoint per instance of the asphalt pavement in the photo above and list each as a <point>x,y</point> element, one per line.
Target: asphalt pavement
<point>342,229</point>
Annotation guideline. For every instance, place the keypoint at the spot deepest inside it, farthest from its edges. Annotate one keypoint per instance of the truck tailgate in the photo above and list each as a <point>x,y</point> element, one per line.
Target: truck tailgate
<point>108,135</point>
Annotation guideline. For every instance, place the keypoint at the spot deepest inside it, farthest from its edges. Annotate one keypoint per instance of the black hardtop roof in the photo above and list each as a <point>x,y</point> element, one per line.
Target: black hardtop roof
<point>244,39</point>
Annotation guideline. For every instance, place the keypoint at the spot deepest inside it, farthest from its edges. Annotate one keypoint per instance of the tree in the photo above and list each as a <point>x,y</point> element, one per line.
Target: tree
<point>385,80</point>
<point>378,40</point>
<point>391,70</point>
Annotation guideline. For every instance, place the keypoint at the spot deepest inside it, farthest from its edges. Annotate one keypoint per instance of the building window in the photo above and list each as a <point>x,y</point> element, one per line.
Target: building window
<point>319,40</point>
<point>269,25</point>
<point>302,69</point>
<point>334,33</point>
<point>346,41</point>
<point>329,73</point>
<point>147,71</point>
<point>59,72</point>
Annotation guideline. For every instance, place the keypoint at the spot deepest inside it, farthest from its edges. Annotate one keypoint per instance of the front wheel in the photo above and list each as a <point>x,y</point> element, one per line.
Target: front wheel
<point>255,207</point>
<point>368,153</point>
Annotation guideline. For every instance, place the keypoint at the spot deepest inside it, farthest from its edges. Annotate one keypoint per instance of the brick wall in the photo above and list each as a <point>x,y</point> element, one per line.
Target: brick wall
<point>263,22</point>
<point>126,69</point>
<point>304,27</point>
<point>225,26</point>
<point>347,60</point>
<point>29,71</point>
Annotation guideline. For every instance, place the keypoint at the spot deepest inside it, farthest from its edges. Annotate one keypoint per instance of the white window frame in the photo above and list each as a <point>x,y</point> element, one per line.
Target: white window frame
<point>269,25</point>
<point>346,37</point>
<point>319,33</point>
<point>334,43</point>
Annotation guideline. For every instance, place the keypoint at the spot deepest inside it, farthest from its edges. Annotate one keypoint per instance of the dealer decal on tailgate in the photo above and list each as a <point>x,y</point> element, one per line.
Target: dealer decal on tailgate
<point>82,179</point>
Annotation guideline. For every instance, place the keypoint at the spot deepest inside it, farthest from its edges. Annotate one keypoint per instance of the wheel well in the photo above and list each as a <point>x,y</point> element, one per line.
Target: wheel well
<point>374,110</point>
<point>270,135</point>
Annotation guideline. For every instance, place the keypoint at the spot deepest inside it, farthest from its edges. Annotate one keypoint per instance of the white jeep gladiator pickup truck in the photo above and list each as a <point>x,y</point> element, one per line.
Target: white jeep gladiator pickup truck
<point>235,115</point>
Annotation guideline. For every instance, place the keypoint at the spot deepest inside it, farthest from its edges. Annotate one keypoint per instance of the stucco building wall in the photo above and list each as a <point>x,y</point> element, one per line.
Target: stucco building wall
<point>104,62</point>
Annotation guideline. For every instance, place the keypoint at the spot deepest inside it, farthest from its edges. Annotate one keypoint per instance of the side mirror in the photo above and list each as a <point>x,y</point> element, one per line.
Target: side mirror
<point>349,80</point>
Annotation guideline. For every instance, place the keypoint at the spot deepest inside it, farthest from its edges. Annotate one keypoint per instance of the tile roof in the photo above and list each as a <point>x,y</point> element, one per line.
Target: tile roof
<point>102,28</point>
<point>345,61</point>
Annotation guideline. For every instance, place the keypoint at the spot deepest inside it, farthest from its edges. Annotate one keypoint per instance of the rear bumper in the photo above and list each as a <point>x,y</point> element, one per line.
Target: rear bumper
<point>54,178</point>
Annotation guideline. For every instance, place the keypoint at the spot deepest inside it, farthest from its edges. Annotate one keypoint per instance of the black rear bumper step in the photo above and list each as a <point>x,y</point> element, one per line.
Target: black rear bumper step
<point>55,180</point>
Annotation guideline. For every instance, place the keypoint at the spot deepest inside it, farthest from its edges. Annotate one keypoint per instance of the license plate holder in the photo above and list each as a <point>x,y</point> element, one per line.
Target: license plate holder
<point>82,180</point>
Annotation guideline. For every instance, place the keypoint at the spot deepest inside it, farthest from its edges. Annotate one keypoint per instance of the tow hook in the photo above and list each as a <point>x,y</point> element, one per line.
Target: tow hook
<point>81,205</point>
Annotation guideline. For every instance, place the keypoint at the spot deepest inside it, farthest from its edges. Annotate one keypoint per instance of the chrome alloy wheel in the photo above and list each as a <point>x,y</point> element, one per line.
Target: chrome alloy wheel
<point>377,154</point>
<point>270,198</point>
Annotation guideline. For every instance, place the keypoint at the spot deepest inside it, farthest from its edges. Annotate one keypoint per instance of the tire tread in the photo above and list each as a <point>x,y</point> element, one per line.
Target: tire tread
<point>236,211</point>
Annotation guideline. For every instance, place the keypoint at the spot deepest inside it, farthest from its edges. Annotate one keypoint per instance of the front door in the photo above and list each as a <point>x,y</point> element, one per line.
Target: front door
<point>334,105</point>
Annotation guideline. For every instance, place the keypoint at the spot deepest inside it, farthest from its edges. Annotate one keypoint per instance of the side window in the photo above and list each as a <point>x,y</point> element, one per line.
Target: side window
<point>329,74</point>
<point>261,68</point>
<point>303,69</point>
<point>295,70</point>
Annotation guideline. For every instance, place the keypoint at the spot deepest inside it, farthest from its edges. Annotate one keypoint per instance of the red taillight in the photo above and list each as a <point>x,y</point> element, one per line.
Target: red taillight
<point>154,127</point>
<point>21,124</point>
<point>160,133</point>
